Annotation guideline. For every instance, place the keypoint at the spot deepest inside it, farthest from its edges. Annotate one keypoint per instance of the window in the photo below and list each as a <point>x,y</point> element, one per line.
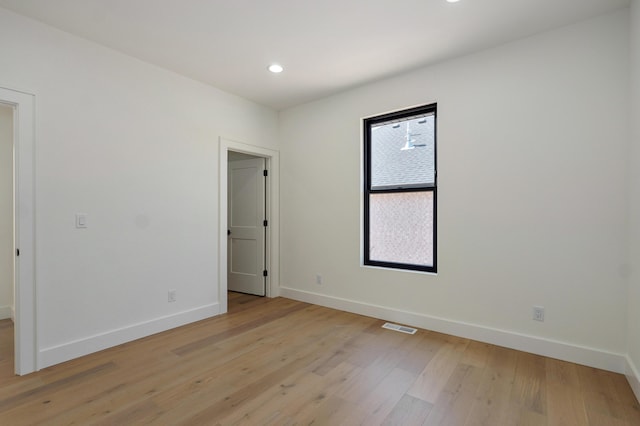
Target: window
<point>400,189</point>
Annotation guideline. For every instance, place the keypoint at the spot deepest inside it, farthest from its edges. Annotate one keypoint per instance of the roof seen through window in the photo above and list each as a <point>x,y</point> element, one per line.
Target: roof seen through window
<point>402,153</point>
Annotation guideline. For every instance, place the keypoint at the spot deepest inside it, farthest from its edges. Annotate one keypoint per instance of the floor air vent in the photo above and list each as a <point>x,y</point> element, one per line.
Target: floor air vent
<point>400,328</point>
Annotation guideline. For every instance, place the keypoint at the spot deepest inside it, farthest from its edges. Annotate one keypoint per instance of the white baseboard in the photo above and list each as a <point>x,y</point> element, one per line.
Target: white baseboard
<point>633,377</point>
<point>551,348</point>
<point>67,351</point>
<point>6,312</point>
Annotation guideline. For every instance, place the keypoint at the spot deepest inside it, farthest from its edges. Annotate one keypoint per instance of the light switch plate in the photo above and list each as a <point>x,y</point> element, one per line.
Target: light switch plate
<point>81,220</point>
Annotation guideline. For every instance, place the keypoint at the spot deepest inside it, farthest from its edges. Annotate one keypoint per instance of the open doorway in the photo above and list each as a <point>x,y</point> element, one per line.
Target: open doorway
<point>259,269</point>
<point>247,224</point>
<point>7,245</point>
<point>18,257</point>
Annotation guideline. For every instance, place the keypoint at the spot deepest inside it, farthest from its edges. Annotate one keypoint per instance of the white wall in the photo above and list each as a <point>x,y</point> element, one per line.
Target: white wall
<point>634,253</point>
<point>6,211</point>
<point>135,148</point>
<point>532,146</point>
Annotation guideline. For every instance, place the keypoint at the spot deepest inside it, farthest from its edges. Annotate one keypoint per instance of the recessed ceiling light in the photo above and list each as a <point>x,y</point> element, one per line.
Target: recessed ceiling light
<point>453,1</point>
<point>275,68</point>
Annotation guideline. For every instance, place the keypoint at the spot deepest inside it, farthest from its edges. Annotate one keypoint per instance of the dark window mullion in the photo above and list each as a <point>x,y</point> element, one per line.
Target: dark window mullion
<point>399,190</point>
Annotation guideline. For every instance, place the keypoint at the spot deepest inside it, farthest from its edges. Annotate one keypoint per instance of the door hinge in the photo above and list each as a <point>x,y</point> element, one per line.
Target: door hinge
<point>17,252</point>
<point>265,222</point>
<point>265,273</point>
<point>265,173</point>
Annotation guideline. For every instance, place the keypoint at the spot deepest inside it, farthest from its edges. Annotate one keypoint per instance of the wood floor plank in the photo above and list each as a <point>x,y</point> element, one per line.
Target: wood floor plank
<point>305,398</point>
<point>358,388</point>
<point>427,344</point>
<point>529,386</point>
<point>493,396</point>
<point>319,404</point>
<point>408,411</point>
<point>565,405</point>
<point>624,394</point>
<point>356,349</point>
<point>457,397</point>
<point>521,416</point>
<point>384,397</point>
<point>380,401</point>
<point>476,354</point>
<point>437,372</point>
<point>599,396</point>
<point>283,362</point>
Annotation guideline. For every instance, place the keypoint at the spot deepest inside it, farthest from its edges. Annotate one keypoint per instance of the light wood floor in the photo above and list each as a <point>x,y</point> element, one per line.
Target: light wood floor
<point>282,362</point>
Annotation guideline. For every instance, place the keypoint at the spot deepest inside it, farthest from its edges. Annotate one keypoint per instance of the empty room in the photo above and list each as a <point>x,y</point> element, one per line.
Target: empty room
<point>279,212</point>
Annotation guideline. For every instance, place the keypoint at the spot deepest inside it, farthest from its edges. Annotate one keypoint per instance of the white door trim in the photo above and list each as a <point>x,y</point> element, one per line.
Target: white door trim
<point>273,215</point>
<point>24,206</point>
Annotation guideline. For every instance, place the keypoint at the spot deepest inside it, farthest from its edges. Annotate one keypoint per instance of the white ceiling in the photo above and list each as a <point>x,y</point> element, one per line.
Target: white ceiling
<point>325,45</point>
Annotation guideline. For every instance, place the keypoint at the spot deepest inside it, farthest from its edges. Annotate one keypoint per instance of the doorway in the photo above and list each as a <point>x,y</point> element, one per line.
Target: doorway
<point>7,244</point>
<point>231,152</point>
<point>22,252</point>
<point>247,224</point>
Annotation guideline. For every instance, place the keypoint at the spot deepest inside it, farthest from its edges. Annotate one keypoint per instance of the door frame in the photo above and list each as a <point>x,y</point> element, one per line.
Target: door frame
<point>272,159</point>
<point>25,302</point>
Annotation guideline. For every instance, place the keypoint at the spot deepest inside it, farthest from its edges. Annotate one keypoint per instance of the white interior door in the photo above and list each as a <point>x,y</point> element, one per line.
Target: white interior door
<point>246,216</point>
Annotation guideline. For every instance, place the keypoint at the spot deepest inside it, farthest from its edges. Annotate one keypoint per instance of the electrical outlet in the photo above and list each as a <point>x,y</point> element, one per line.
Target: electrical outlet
<point>538,313</point>
<point>171,296</point>
<point>319,279</point>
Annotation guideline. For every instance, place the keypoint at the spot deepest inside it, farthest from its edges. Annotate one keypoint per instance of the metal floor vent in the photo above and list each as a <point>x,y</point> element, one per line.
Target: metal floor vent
<point>400,328</point>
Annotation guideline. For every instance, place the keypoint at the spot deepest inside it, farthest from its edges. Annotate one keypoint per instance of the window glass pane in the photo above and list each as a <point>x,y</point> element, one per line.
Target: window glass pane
<point>403,153</point>
<point>401,228</point>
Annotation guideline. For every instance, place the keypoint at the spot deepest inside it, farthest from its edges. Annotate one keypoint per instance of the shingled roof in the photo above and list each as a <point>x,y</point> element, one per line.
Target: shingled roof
<point>402,154</point>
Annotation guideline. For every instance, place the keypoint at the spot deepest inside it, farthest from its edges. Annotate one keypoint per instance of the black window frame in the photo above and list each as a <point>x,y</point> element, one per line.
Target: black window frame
<point>368,124</point>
